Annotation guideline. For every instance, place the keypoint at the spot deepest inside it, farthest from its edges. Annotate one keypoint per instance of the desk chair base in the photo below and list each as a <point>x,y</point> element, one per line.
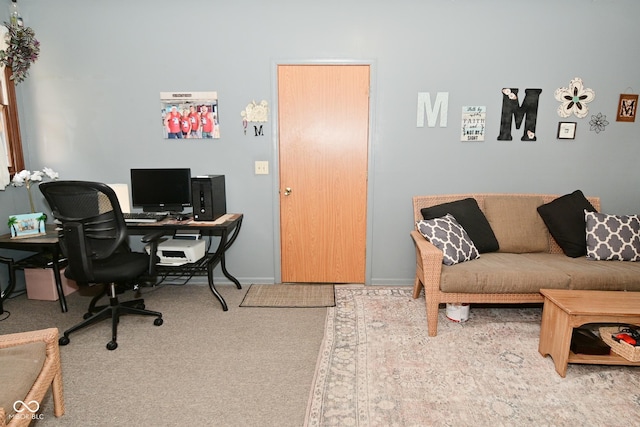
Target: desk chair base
<point>114,310</point>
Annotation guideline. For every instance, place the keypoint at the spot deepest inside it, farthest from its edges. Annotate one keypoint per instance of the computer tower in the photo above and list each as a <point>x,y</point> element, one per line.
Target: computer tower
<point>208,197</point>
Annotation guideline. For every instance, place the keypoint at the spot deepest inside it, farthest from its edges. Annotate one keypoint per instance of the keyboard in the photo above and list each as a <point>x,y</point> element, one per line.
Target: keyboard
<point>143,216</point>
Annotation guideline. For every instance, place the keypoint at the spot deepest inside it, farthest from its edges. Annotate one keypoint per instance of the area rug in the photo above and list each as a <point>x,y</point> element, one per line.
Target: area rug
<point>378,367</point>
<point>289,295</point>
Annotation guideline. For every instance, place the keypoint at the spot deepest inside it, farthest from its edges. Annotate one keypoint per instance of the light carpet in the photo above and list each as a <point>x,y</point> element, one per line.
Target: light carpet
<point>378,367</point>
<point>289,295</point>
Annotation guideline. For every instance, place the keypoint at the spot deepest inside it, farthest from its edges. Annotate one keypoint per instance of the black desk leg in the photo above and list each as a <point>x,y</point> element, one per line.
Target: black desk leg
<point>58,279</point>
<point>213,287</point>
<point>228,275</point>
<point>224,245</point>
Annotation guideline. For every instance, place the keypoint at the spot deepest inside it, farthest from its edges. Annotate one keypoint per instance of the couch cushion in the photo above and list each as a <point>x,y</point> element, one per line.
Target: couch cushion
<point>504,273</point>
<point>526,273</point>
<point>564,217</point>
<point>588,274</point>
<point>447,235</point>
<point>470,217</point>
<point>612,237</point>
<point>19,367</point>
<point>516,223</point>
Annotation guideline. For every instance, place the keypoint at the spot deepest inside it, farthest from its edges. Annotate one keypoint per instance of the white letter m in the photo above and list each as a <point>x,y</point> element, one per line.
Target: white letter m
<point>440,106</point>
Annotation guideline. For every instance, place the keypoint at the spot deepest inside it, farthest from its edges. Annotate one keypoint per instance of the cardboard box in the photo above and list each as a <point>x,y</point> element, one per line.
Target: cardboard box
<point>41,284</point>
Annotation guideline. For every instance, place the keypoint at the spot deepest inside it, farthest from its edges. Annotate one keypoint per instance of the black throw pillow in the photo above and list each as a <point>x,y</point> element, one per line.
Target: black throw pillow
<point>468,214</point>
<point>564,217</point>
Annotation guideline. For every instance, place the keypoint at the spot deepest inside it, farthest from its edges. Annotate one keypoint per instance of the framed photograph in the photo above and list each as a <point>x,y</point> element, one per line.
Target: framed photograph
<point>567,130</point>
<point>190,115</point>
<point>27,225</point>
<point>627,108</point>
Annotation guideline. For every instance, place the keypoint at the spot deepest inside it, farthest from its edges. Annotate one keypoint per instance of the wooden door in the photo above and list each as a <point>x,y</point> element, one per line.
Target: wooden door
<point>323,126</point>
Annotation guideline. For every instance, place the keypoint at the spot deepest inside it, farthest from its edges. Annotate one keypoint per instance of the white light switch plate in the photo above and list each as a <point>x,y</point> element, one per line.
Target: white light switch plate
<point>262,167</point>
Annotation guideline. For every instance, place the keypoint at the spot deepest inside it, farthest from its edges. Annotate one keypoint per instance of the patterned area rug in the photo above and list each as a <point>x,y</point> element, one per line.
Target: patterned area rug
<point>378,367</point>
<point>289,295</point>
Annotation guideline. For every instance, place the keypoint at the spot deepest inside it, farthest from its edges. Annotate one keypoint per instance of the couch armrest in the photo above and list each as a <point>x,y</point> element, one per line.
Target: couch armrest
<point>428,265</point>
<point>48,336</point>
<point>51,373</point>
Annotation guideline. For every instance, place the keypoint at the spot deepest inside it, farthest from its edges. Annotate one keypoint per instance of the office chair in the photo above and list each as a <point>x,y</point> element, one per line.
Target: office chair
<point>93,236</point>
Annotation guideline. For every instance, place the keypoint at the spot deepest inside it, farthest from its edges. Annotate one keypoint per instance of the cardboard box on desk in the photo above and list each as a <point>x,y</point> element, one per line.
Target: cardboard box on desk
<point>41,284</point>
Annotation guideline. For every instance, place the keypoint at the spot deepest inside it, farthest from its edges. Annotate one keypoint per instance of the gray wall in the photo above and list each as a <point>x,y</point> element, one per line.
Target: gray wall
<point>90,107</point>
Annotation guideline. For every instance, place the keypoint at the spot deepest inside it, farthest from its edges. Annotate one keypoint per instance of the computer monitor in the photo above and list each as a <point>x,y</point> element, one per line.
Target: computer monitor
<point>161,190</point>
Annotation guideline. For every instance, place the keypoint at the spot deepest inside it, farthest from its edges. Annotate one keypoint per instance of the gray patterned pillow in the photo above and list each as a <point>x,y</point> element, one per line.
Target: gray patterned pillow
<point>447,235</point>
<point>613,237</point>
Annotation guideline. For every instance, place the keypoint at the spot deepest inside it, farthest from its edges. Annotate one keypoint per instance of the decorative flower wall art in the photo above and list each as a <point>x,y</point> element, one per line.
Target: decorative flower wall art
<point>574,99</point>
<point>598,122</point>
<point>255,113</point>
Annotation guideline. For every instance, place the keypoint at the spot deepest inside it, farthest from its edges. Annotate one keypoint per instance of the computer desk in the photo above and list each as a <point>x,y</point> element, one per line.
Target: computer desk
<point>42,243</point>
<point>226,227</point>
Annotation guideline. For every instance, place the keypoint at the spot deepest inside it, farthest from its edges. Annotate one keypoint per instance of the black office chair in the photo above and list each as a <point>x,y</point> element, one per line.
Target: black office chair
<point>93,237</point>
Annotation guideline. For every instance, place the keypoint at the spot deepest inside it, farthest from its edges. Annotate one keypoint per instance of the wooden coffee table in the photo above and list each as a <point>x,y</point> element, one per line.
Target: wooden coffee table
<point>567,309</point>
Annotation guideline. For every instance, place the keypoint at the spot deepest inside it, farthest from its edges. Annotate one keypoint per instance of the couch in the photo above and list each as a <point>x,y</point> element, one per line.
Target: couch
<point>29,367</point>
<point>525,242</point>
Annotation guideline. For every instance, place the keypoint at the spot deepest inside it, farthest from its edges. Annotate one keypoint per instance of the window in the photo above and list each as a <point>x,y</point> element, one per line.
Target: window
<point>9,123</point>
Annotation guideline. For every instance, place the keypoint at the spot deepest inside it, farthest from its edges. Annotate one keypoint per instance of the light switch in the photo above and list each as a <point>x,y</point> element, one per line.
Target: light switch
<point>262,167</point>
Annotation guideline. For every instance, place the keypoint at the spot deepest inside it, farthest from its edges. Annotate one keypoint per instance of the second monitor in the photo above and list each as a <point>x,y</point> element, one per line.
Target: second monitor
<point>208,197</point>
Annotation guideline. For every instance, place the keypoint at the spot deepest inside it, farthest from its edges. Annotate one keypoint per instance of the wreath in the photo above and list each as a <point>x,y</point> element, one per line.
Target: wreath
<point>22,51</point>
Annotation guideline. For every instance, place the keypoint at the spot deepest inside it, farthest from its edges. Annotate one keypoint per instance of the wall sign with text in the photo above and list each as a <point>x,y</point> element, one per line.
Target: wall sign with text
<point>473,123</point>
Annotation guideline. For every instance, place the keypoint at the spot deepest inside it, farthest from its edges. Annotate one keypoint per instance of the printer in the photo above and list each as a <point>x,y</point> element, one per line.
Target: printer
<point>179,251</point>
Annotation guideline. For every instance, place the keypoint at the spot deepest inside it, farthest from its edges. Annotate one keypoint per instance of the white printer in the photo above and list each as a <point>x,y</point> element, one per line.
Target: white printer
<point>180,251</point>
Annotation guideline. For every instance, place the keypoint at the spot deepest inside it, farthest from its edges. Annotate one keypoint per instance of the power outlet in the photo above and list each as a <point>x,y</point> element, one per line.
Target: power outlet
<point>262,167</point>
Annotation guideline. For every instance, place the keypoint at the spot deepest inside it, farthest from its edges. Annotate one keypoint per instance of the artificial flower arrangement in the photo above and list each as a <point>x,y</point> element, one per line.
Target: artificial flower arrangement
<point>22,51</point>
<point>27,178</point>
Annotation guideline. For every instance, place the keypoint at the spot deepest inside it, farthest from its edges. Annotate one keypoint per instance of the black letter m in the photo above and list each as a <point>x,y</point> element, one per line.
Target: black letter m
<point>511,109</point>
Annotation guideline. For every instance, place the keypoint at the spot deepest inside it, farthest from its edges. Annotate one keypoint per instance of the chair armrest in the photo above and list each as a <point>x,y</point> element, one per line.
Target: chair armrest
<point>428,262</point>
<point>152,239</point>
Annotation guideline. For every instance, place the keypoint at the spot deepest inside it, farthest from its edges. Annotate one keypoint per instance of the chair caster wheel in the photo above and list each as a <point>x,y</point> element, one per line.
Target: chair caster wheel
<point>112,345</point>
<point>158,321</point>
<point>87,315</point>
<point>63,340</point>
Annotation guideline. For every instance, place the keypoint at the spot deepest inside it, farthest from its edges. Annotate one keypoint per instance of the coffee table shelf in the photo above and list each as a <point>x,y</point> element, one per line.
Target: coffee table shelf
<point>565,310</point>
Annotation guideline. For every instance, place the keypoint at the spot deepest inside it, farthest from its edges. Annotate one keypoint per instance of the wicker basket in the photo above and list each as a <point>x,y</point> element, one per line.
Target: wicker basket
<point>628,351</point>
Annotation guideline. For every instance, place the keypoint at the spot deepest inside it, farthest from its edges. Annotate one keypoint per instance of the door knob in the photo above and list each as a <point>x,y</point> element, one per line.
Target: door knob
<point>287,191</point>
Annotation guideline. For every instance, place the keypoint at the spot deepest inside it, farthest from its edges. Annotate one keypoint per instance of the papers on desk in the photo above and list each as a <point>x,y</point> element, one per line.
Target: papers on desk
<point>224,218</point>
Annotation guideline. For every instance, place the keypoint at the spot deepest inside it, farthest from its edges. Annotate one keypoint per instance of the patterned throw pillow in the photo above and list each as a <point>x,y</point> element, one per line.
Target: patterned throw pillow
<point>612,237</point>
<point>447,235</point>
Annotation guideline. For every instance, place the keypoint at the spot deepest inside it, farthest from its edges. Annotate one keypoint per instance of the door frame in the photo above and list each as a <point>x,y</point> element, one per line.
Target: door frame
<point>275,170</point>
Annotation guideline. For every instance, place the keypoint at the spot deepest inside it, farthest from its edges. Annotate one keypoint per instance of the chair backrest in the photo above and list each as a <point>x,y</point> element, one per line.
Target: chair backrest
<point>91,227</point>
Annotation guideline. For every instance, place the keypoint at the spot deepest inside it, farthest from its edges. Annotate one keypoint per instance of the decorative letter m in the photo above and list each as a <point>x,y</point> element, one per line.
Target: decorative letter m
<point>424,107</point>
<point>511,109</point>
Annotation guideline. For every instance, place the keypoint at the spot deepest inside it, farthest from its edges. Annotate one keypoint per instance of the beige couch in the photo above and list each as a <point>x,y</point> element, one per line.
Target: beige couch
<point>529,259</point>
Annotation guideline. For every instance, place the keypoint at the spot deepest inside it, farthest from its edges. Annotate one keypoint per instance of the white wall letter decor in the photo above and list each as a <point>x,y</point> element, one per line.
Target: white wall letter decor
<point>424,107</point>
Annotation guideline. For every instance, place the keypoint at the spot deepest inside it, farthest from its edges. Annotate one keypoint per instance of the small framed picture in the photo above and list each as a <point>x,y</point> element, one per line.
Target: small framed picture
<point>627,108</point>
<point>567,130</point>
<point>27,225</point>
